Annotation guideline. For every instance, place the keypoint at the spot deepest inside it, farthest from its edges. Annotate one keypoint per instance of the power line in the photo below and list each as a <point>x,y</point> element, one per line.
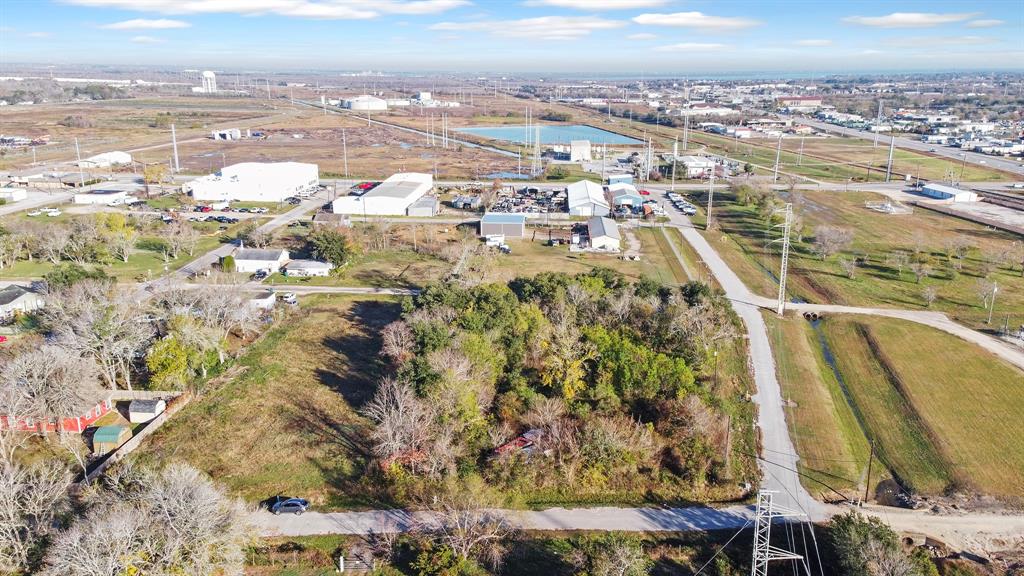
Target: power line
<point>724,546</point>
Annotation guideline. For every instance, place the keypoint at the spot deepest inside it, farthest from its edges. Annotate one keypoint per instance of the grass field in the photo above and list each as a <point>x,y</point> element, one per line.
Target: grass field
<point>390,269</point>
<point>743,242</point>
<point>938,425</point>
<point>289,425</point>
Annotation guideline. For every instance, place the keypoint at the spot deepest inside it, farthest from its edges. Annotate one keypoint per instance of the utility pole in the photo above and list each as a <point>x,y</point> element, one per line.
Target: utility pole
<point>675,155</point>
<point>992,304</point>
<point>800,158</point>
<point>686,133</point>
<point>711,196</point>
<point>174,143</point>
<point>867,484</point>
<point>78,153</point>
<point>764,552</point>
<point>878,121</point>
<point>783,269</point>
<point>888,167</point>
<point>778,156</point>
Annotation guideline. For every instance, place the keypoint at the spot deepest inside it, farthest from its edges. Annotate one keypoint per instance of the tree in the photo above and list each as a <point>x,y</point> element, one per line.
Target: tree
<point>169,362</point>
<point>898,260</point>
<point>64,276</point>
<point>957,247</point>
<point>120,235</point>
<point>398,342</point>
<point>866,546</point>
<point>985,290</point>
<point>921,270</point>
<point>53,381</point>
<point>849,266</point>
<point>254,236</point>
<point>175,521</point>
<point>180,237</point>
<point>154,174</point>
<point>227,263</point>
<point>331,245</point>
<point>220,308</point>
<point>34,496</point>
<point>929,295</point>
<point>609,554</point>
<point>93,318</point>
<point>748,168</point>
<point>829,240</point>
<point>404,421</point>
<point>463,519</point>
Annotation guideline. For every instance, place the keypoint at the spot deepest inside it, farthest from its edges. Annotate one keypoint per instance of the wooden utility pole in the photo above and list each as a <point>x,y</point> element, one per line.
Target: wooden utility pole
<point>867,484</point>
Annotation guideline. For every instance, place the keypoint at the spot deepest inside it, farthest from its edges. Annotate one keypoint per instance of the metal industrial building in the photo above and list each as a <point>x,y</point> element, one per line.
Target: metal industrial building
<point>604,234</point>
<point>366,102</point>
<point>392,197</point>
<point>255,182</point>
<point>105,160</point>
<point>943,192</point>
<point>579,151</point>
<point>508,225</point>
<point>586,198</point>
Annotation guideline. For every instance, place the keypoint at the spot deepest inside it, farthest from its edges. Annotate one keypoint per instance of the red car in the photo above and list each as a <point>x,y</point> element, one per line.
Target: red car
<point>645,193</point>
<point>3,339</point>
<point>206,209</point>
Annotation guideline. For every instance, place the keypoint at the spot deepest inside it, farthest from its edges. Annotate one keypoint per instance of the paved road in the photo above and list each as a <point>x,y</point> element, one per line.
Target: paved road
<point>954,154</point>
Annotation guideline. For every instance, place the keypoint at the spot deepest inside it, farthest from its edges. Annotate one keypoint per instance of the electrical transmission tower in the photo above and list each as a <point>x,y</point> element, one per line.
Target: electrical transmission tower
<point>535,168</point>
<point>786,225</point>
<point>764,552</point>
<point>778,156</point>
<point>888,167</point>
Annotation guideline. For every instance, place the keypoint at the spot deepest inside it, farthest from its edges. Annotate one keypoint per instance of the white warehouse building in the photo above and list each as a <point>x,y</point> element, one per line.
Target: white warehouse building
<point>943,192</point>
<point>392,197</point>
<point>105,160</point>
<point>255,182</point>
<point>587,198</point>
<point>366,102</point>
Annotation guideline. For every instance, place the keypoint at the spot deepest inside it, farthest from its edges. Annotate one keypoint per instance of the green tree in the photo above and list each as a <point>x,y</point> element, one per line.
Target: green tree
<point>68,274</point>
<point>227,263</point>
<point>168,362</point>
<point>609,554</point>
<point>863,543</point>
<point>331,245</point>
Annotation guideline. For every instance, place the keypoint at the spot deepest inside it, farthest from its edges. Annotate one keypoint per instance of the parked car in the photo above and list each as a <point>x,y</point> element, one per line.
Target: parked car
<point>205,209</point>
<point>282,505</point>
<point>53,212</point>
<point>259,275</point>
<point>35,213</point>
<point>288,298</point>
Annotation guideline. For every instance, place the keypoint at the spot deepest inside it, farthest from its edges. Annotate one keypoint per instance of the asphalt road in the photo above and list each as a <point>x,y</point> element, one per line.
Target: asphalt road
<point>955,154</point>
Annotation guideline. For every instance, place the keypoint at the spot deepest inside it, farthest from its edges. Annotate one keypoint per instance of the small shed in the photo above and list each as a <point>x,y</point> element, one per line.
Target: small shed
<point>467,202</point>
<point>106,439</point>
<point>141,411</point>
<point>604,234</point>
<point>509,225</point>
<point>620,179</point>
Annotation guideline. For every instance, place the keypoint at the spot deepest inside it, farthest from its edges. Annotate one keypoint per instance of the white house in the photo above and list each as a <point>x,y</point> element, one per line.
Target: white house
<point>392,197</point>
<point>263,300</point>
<point>255,182</point>
<point>305,268</point>
<point>106,160</point>
<point>142,411</point>
<point>13,194</point>
<point>604,234</point>
<point>943,192</point>
<point>249,260</point>
<point>586,198</point>
<point>15,298</point>
<point>696,166</point>
<point>366,102</point>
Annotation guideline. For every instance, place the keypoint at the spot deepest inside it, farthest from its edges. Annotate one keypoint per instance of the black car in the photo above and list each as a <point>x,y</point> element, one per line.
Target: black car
<point>282,505</point>
<point>259,275</point>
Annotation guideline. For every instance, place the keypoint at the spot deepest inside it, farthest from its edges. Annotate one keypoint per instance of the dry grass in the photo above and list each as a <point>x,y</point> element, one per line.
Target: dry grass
<point>289,424</point>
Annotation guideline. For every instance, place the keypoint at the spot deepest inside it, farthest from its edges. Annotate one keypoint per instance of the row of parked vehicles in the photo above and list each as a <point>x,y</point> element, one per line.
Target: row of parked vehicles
<point>681,203</point>
<point>47,211</point>
<point>226,208</point>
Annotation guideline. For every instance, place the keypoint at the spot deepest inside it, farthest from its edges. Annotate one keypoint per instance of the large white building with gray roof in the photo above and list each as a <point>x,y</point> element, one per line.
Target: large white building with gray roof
<point>392,197</point>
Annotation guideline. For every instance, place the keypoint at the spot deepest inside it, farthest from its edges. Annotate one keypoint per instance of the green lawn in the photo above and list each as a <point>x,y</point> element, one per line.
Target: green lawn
<point>937,408</point>
<point>745,243</point>
<point>388,269</point>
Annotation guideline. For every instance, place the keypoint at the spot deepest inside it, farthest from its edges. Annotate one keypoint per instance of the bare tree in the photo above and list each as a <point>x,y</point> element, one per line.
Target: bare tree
<point>221,308</point>
<point>920,241</point>
<point>122,242</point>
<point>398,342</point>
<point>33,497</point>
<point>921,270</point>
<point>829,240</point>
<point>404,421</point>
<point>83,240</point>
<point>984,289</point>
<point>464,520</point>
<point>957,248</point>
<point>898,259</point>
<point>705,323</point>
<point>176,521</point>
<point>929,295</point>
<point>885,560</point>
<point>54,244</point>
<point>54,381</point>
<point>180,237</point>
<point>94,319</point>
<point>849,266</point>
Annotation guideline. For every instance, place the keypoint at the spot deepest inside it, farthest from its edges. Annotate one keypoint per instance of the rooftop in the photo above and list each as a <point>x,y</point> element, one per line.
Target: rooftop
<point>601,226</point>
<point>500,218</point>
<point>401,185</point>
<point>13,292</point>
<point>259,254</point>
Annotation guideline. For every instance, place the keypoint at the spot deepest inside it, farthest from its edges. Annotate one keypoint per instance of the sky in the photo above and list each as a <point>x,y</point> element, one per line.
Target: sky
<point>521,36</point>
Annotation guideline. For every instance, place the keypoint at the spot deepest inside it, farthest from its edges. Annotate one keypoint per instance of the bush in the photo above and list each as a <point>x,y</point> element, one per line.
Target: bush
<point>66,275</point>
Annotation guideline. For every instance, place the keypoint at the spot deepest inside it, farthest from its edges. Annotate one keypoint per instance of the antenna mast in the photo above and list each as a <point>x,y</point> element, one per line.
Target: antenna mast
<point>764,552</point>
<point>174,143</point>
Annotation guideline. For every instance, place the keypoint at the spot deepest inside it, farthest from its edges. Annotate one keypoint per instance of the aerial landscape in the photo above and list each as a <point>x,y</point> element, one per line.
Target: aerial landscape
<point>511,287</point>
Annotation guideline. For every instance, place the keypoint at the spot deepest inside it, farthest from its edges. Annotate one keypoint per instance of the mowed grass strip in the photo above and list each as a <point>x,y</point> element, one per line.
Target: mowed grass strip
<point>970,399</point>
<point>902,438</point>
<point>832,446</point>
<point>289,425</point>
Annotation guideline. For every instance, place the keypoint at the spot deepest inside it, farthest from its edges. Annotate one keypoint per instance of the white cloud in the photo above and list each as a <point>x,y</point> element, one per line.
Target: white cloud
<point>322,9</point>
<point>919,41</point>
<point>146,24</point>
<point>642,36</point>
<point>871,51</point>
<point>696,20</point>
<point>146,40</point>
<point>910,19</point>
<point>597,4</point>
<point>38,34</point>
<point>985,23</point>
<point>690,47</point>
<point>814,42</point>
<point>541,28</point>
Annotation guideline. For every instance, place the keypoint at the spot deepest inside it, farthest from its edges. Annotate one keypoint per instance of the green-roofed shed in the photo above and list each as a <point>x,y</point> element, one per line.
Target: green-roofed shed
<point>109,438</point>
